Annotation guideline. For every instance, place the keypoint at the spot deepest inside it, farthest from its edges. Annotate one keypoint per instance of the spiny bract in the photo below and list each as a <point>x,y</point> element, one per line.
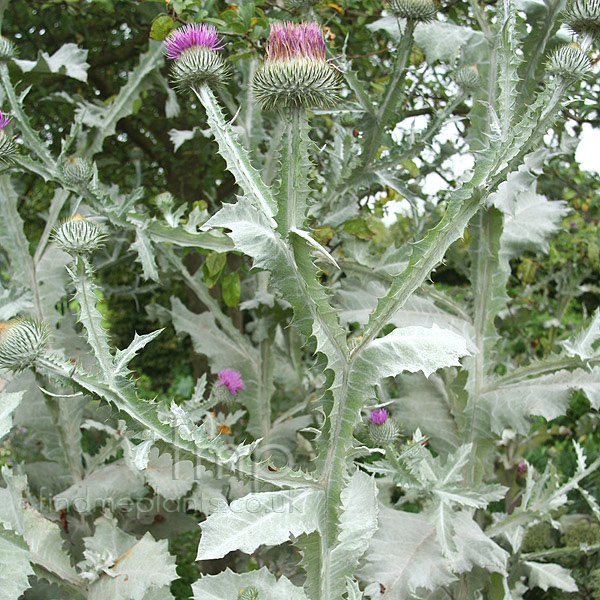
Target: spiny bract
<point>583,17</point>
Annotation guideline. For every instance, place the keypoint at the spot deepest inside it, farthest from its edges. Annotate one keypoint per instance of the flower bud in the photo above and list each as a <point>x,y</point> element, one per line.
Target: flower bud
<point>569,61</point>
<point>382,429</point>
<point>296,71</point>
<point>78,235</point>
<point>468,78</point>
<point>77,171</point>
<point>21,342</point>
<point>583,17</point>
<point>416,10</point>
<point>194,50</point>
<point>249,593</point>
<point>7,144</point>
<point>7,49</point>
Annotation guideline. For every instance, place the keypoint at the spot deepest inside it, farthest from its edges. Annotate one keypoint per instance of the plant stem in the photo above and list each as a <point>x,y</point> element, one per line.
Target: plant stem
<point>393,96</point>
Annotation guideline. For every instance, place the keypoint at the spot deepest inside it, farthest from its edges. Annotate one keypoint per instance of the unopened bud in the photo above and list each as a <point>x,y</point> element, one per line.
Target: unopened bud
<point>21,342</point>
<point>77,171</point>
<point>249,593</point>
<point>569,62</point>
<point>78,235</point>
<point>468,78</point>
<point>416,10</point>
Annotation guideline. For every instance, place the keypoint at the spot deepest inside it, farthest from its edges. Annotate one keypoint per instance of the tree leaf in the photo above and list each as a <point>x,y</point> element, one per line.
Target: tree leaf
<point>230,288</point>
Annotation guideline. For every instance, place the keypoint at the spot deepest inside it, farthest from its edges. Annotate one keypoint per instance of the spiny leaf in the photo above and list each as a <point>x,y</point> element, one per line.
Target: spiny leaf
<point>261,518</point>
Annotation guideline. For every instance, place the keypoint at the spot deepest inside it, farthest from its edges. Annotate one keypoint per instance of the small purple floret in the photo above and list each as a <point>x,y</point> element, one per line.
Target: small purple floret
<point>296,40</point>
<point>4,120</point>
<point>191,35</point>
<point>231,379</point>
<point>379,416</point>
<point>522,468</point>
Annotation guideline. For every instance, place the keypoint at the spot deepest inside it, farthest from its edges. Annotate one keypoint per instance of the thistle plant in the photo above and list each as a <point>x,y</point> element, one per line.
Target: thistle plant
<point>306,312</point>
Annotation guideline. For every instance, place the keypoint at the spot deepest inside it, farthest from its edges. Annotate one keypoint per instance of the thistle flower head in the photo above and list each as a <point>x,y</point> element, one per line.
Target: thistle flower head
<point>78,235</point>
<point>77,171</point>
<point>569,62</point>
<point>231,379</point>
<point>288,41</point>
<point>194,49</point>
<point>193,35</point>
<point>21,342</point>
<point>384,433</point>
<point>4,120</point>
<point>416,10</point>
<point>583,17</point>
<point>379,416</point>
<point>468,78</point>
<point>296,71</point>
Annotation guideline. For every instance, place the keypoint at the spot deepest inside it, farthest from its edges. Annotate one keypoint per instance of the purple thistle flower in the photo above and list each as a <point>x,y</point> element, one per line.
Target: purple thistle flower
<point>288,41</point>
<point>522,468</point>
<point>231,379</point>
<point>4,120</point>
<point>192,35</point>
<point>379,416</point>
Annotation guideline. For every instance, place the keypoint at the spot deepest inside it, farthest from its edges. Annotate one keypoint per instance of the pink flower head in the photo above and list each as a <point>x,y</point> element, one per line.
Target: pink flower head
<point>192,35</point>
<point>288,41</point>
<point>4,120</point>
<point>379,416</point>
<point>231,379</point>
<point>522,468</point>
